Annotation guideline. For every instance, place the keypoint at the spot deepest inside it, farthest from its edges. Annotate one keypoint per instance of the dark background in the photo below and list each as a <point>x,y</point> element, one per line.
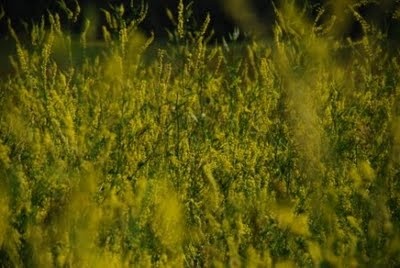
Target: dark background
<point>28,11</point>
<point>156,21</point>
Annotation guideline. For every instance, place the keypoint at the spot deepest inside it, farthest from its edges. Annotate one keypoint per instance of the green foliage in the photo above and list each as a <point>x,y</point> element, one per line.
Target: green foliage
<point>259,154</point>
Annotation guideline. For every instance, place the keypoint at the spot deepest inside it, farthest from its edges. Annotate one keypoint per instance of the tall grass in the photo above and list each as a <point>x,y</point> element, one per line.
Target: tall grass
<point>286,154</point>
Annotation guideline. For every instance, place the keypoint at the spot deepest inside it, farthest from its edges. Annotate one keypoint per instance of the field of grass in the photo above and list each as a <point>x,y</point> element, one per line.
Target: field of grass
<point>260,154</point>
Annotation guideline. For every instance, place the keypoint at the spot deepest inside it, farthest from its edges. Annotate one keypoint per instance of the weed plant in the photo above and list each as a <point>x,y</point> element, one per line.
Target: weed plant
<point>264,154</point>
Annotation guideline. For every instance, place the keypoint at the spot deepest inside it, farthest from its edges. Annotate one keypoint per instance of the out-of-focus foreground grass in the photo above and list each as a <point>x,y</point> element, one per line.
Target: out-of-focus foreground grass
<point>285,154</point>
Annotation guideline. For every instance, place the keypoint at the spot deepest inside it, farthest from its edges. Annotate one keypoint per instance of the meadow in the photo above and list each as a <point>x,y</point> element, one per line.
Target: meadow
<point>283,153</point>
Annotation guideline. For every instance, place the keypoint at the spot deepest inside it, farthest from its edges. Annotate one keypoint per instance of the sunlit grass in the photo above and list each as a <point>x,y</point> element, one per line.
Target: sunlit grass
<point>193,154</point>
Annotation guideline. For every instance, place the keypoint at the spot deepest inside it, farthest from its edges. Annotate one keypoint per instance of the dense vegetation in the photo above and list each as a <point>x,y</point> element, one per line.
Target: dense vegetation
<point>258,154</point>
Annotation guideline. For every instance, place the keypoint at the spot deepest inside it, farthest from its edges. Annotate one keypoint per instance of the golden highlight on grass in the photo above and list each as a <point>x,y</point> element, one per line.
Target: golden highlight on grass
<point>257,154</point>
